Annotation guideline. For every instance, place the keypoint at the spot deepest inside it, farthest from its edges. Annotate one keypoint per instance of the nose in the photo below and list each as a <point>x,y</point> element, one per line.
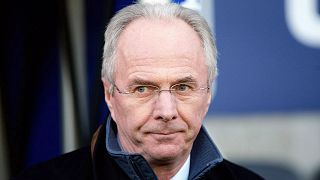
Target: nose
<point>165,107</point>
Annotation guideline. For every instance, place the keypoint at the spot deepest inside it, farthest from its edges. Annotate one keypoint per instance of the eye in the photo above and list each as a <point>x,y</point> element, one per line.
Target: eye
<point>182,87</point>
<point>140,89</point>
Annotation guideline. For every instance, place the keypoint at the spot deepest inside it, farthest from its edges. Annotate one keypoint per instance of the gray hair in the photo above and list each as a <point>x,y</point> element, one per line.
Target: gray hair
<point>130,13</point>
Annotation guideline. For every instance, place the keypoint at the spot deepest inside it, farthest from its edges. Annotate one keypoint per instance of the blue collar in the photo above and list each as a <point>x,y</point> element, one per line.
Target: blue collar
<point>204,155</point>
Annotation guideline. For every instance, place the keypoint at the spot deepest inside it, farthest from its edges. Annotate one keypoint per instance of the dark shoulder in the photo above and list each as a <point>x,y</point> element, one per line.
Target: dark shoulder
<point>73,165</point>
<point>228,170</point>
<point>240,171</point>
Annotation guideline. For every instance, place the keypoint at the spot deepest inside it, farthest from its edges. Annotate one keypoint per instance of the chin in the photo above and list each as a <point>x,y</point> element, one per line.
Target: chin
<point>165,153</point>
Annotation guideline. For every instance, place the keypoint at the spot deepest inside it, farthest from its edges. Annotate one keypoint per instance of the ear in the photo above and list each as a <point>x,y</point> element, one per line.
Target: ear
<point>209,99</point>
<point>107,95</point>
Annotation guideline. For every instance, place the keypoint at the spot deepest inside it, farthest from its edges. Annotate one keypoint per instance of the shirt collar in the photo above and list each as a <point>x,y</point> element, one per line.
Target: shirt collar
<point>183,172</point>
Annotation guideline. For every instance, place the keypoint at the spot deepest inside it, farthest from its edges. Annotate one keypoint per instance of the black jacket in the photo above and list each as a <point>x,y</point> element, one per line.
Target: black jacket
<point>105,160</point>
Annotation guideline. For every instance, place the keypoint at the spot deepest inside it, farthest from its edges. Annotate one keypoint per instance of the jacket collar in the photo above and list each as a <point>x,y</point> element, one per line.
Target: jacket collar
<point>204,155</point>
<point>134,165</point>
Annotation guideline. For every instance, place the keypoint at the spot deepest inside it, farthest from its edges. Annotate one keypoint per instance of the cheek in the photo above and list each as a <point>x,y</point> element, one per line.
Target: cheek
<point>193,113</point>
<point>129,115</point>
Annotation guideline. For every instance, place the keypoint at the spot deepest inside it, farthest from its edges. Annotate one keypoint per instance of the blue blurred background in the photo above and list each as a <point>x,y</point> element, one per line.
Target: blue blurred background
<point>265,114</point>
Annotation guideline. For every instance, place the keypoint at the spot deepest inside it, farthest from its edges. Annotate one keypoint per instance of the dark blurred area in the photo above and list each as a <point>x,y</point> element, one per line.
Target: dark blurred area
<point>33,34</point>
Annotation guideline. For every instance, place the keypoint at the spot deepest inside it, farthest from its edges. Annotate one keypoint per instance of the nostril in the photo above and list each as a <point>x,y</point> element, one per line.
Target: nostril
<point>174,117</point>
<point>166,117</point>
<point>158,118</point>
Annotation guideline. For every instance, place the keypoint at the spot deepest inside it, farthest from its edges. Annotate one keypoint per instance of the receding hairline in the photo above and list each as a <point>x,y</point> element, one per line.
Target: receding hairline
<point>147,38</point>
<point>147,22</point>
<point>173,11</point>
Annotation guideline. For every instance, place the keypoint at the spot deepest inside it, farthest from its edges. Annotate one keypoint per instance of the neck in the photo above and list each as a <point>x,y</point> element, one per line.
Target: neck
<point>165,171</point>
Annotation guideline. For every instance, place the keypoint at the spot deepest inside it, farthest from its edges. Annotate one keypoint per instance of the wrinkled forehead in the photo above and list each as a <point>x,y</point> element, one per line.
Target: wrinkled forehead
<point>159,50</point>
<point>159,38</point>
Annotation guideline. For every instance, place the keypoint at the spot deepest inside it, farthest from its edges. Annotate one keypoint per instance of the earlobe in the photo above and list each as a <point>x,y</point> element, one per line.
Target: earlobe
<point>107,95</point>
<point>208,101</point>
<point>209,98</point>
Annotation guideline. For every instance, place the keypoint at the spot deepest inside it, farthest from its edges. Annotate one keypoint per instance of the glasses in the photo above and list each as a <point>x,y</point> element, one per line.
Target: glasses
<point>180,91</point>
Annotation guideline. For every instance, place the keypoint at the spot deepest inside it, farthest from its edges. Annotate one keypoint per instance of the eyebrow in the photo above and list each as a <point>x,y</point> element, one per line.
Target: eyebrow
<point>187,79</point>
<point>142,82</point>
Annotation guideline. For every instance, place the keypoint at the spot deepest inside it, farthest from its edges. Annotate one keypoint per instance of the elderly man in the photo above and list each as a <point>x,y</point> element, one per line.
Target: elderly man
<point>159,63</point>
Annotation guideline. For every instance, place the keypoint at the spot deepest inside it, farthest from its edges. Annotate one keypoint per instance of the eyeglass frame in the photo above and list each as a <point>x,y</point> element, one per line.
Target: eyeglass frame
<point>158,89</point>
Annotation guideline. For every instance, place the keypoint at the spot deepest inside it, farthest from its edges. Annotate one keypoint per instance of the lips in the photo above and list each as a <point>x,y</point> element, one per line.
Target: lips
<point>164,136</point>
<point>164,133</point>
<point>167,130</point>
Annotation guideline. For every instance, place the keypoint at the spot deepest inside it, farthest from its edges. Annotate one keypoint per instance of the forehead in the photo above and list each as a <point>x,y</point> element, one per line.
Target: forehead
<point>151,46</point>
<point>149,37</point>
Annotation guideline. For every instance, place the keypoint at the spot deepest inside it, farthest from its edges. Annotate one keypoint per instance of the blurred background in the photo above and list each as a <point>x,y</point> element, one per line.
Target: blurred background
<point>265,114</point>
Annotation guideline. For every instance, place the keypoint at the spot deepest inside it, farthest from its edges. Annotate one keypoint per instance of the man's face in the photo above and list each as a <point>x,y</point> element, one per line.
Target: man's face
<point>159,53</point>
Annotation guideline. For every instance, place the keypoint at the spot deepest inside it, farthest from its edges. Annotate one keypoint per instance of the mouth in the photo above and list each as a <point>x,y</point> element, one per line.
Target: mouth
<point>164,135</point>
<point>168,132</point>
<point>164,132</point>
